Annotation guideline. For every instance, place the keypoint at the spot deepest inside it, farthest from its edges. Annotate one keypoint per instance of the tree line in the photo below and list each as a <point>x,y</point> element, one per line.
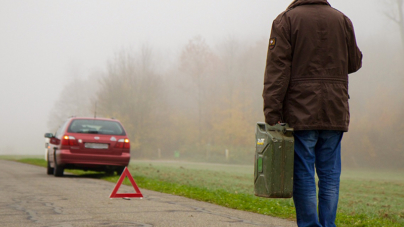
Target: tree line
<point>205,105</point>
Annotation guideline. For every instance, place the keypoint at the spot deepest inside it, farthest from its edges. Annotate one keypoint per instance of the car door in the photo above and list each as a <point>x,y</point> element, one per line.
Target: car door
<point>54,142</point>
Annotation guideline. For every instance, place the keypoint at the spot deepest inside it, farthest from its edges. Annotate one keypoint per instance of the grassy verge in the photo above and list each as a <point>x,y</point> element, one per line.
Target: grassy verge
<point>364,199</point>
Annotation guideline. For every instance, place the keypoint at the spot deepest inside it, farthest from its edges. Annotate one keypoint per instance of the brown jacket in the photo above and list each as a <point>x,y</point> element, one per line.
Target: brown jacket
<point>311,51</point>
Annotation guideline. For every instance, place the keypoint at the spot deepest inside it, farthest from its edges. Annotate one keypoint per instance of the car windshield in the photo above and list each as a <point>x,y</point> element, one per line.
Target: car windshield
<point>94,126</point>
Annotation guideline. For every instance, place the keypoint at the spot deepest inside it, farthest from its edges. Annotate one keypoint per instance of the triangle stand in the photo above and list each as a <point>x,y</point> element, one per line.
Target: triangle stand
<point>124,174</point>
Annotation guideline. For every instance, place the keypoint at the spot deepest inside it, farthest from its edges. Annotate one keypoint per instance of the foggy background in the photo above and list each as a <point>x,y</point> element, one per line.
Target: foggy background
<point>181,75</point>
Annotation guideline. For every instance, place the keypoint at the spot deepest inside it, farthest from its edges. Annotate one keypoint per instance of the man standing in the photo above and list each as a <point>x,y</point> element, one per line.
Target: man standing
<point>312,49</point>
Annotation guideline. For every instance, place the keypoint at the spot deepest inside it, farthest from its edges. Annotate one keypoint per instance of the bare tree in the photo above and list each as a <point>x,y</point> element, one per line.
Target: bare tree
<point>396,14</point>
<point>229,53</point>
<point>196,62</point>
<point>76,99</point>
<point>132,92</point>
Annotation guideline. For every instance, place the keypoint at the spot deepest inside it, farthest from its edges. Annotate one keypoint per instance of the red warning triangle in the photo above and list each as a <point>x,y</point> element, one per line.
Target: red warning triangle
<point>124,174</point>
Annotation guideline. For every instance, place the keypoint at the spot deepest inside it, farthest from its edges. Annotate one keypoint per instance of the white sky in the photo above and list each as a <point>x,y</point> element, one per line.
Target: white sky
<point>41,42</point>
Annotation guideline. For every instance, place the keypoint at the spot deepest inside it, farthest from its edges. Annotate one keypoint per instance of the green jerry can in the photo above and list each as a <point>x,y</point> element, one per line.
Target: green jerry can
<point>274,156</point>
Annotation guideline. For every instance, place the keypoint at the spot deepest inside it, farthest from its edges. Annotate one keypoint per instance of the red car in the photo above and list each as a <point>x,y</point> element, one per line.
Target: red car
<point>88,144</point>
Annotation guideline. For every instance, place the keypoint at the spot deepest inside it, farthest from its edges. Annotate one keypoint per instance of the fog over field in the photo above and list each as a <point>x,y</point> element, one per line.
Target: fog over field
<point>182,75</point>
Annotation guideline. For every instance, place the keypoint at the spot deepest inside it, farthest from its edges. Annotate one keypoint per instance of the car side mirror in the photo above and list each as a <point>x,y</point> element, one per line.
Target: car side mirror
<point>49,135</point>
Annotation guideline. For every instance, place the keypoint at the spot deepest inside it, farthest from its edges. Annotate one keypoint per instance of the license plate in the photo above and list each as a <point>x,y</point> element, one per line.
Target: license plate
<point>96,145</point>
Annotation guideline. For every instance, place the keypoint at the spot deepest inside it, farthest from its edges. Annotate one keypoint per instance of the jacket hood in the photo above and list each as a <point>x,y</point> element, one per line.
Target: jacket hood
<point>307,2</point>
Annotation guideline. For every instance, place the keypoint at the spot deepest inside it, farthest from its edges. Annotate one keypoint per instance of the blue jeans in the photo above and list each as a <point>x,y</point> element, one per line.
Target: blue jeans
<point>318,151</point>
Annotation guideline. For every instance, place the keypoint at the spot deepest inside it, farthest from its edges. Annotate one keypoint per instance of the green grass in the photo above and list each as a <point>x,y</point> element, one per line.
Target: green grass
<point>366,198</point>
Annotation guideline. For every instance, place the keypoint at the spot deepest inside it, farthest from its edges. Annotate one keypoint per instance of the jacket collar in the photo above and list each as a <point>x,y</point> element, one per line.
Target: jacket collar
<point>307,2</point>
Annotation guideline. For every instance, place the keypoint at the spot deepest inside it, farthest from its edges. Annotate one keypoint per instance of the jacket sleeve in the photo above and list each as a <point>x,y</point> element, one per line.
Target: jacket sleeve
<point>354,54</point>
<point>277,71</point>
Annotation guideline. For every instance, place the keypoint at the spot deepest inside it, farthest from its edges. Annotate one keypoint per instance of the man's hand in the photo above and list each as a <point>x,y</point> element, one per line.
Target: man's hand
<point>279,122</point>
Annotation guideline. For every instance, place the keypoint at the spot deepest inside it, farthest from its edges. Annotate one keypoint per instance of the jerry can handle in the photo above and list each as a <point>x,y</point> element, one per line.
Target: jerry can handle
<point>281,127</point>
<point>277,127</point>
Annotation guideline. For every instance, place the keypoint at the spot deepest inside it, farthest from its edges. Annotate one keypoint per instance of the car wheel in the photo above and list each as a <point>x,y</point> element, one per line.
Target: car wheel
<point>58,171</point>
<point>119,170</point>
<point>49,169</point>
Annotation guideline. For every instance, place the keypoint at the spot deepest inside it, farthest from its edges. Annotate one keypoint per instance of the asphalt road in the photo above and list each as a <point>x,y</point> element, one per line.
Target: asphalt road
<point>30,197</point>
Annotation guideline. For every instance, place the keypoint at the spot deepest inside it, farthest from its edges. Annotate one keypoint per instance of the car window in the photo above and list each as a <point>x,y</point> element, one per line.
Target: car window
<point>59,132</point>
<point>94,126</point>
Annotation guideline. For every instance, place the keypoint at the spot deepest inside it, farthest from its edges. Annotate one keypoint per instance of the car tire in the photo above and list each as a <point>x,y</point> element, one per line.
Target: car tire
<point>49,169</point>
<point>119,170</point>
<point>58,171</point>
